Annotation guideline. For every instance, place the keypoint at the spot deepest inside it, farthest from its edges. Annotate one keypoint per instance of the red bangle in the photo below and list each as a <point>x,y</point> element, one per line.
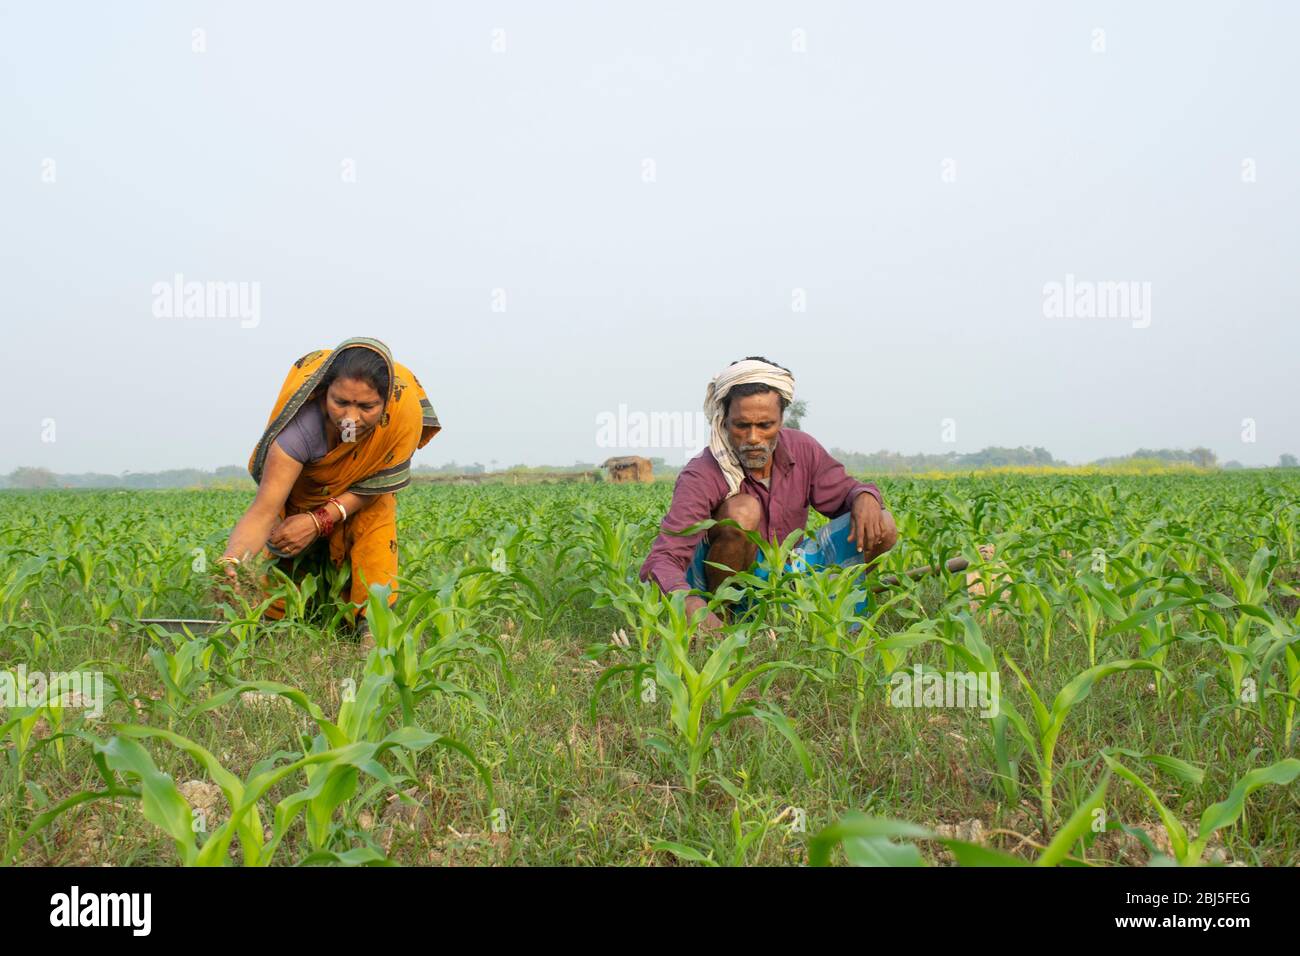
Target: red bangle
<point>324,523</point>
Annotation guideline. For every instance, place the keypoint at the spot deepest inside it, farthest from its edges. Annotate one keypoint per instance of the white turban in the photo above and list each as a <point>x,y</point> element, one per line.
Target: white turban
<point>715,403</point>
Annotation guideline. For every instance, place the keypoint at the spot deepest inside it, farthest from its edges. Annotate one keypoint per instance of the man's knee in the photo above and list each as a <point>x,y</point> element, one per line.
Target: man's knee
<point>743,509</point>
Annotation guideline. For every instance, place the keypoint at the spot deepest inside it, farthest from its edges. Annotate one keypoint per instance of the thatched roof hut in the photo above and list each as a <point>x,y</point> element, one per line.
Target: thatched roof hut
<point>629,468</point>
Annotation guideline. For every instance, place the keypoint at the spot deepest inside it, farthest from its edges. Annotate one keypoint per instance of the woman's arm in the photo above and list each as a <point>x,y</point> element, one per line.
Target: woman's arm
<point>254,528</point>
<point>353,502</point>
<point>297,532</point>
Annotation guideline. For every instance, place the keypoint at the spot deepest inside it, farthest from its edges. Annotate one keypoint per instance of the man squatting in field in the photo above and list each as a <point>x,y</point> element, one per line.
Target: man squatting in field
<point>763,477</point>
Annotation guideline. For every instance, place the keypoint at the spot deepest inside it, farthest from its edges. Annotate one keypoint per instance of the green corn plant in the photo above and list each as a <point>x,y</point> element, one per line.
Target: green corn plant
<point>1243,654</point>
<point>995,576</point>
<point>297,595</point>
<point>643,606</point>
<point>363,715</point>
<point>870,841</point>
<point>1033,602</point>
<point>776,578</point>
<point>331,774</point>
<point>745,837</point>
<point>607,546</point>
<point>1188,851</point>
<point>1128,601</point>
<point>467,600</point>
<point>18,582</point>
<point>877,653</point>
<point>824,612</point>
<point>1283,650</point>
<point>661,618</point>
<point>417,670</point>
<point>769,585</point>
<point>134,594</point>
<point>332,780</point>
<point>716,686</point>
<point>703,701</point>
<point>59,700</point>
<point>84,563</point>
<point>335,758</point>
<point>22,722</point>
<point>494,590</point>
<point>1157,632</point>
<point>1042,739</point>
<point>182,671</point>
<point>243,614</point>
<point>963,642</point>
<point>1250,590</point>
<point>19,727</point>
<point>1092,604</point>
<point>161,802</point>
<point>106,604</point>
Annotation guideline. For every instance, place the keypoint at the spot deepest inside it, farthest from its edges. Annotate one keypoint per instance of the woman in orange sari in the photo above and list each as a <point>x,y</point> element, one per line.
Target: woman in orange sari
<point>337,446</point>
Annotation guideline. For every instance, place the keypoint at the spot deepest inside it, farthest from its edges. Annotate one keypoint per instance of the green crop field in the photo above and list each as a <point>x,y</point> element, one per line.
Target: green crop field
<point>529,701</point>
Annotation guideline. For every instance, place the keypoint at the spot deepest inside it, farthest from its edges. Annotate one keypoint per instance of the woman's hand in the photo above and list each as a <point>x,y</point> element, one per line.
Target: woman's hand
<point>255,527</point>
<point>293,534</point>
<point>226,581</point>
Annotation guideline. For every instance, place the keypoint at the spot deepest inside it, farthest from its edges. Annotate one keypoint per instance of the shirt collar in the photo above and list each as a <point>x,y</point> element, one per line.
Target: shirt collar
<point>783,457</point>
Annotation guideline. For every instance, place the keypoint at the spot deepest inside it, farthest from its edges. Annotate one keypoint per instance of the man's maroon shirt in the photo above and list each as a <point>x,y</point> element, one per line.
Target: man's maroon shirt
<point>803,474</point>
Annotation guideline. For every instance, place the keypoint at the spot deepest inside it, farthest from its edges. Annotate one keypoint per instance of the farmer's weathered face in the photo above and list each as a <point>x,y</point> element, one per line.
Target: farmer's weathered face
<point>752,426</point>
<point>350,400</point>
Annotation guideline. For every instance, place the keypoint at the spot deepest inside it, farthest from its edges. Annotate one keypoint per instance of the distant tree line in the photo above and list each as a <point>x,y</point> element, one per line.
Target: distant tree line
<point>225,476</point>
<point>893,463</point>
<point>881,462</point>
<point>1200,457</point>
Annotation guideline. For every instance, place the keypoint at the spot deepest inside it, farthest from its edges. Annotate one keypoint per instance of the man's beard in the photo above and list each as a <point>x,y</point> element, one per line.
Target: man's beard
<point>768,449</point>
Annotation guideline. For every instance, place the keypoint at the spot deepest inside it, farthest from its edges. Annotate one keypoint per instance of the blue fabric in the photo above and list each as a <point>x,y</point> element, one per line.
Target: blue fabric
<point>830,545</point>
<point>695,572</point>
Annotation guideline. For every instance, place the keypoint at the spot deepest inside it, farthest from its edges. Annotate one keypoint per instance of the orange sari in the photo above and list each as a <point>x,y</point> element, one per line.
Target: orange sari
<point>378,465</point>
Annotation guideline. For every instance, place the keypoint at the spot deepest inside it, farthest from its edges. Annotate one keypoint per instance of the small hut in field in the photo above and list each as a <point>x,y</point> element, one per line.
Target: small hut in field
<point>629,468</point>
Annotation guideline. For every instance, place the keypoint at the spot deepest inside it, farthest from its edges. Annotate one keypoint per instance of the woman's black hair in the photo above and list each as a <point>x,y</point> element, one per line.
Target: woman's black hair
<point>363,365</point>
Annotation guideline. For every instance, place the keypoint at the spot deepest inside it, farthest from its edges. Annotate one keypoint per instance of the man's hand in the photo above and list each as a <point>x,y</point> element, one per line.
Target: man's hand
<point>711,623</point>
<point>293,534</point>
<point>867,525</point>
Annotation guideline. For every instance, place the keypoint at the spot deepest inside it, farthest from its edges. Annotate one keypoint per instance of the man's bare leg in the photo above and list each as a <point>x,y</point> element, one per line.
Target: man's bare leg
<point>728,545</point>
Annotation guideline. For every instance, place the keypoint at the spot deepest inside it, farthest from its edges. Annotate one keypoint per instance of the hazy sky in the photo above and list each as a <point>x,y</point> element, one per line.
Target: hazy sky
<point>551,209</point>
